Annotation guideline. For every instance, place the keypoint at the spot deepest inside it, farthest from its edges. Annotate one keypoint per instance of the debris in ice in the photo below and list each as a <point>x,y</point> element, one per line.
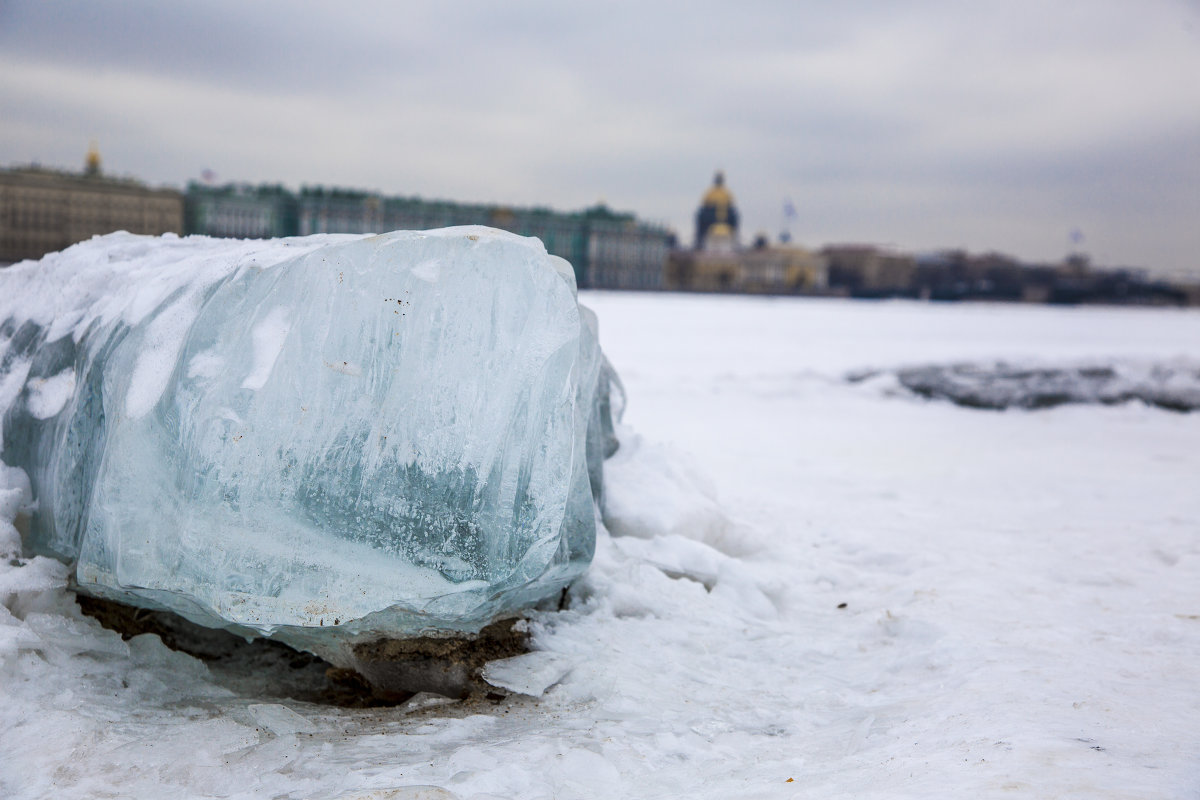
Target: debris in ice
<point>324,440</point>
<point>1000,385</point>
<point>531,674</point>
<point>449,666</point>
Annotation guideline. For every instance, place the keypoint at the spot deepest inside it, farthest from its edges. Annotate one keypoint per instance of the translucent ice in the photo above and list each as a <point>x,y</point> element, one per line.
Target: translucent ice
<point>323,440</point>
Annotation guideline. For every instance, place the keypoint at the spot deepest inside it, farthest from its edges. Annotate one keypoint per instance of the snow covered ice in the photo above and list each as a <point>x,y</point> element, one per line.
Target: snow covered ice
<point>320,439</point>
<point>1020,587</point>
<point>1174,386</point>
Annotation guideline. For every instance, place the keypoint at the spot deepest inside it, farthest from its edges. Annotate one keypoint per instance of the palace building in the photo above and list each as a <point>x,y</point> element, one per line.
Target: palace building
<point>44,210</point>
<point>608,249</point>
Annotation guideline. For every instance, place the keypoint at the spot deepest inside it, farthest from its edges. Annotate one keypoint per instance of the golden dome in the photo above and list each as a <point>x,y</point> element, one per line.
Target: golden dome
<point>717,195</point>
<point>91,165</point>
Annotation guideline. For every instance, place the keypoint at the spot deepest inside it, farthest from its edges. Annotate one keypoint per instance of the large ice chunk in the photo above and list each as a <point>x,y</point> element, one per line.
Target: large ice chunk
<point>321,439</point>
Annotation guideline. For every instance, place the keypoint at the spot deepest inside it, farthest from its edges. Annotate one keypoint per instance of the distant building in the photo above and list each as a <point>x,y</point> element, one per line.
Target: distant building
<point>784,269</point>
<point>869,271</point>
<point>240,211</point>
<point>320,210</point>
<point>623,253</point>
<point>718,263</point>
<point>608,250</point>
<point>44,210</point>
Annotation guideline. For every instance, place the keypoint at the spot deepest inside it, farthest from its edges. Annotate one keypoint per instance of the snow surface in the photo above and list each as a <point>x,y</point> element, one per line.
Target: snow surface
<point>821,589</point>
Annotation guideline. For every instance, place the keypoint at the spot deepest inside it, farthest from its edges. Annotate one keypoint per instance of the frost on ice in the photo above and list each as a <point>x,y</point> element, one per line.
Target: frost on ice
<point>321,440</point>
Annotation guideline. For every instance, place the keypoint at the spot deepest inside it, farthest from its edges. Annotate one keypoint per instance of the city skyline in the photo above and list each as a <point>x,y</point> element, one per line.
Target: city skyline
<point>1023,129</point>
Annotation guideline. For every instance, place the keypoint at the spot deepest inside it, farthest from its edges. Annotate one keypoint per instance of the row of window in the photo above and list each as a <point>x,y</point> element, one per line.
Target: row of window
<point>100,220</point>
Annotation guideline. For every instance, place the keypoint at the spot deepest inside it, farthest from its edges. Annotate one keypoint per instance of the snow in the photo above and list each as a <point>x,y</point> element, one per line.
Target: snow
<point>164,339</point>
<point>822,589</point>
<point>268,336</point>
<point>48,396</point>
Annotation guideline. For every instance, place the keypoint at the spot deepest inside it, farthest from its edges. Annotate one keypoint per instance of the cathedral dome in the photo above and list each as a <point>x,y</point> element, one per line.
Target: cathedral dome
<point>717,195</point>
<point>717,216</point>
<point>91,164</point>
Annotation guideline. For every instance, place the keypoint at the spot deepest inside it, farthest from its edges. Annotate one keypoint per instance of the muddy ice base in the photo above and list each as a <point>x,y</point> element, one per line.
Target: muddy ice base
<point>387,672</point>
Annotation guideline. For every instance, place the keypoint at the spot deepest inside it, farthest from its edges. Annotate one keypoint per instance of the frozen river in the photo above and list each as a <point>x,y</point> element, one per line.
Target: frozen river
<point>815,589</point>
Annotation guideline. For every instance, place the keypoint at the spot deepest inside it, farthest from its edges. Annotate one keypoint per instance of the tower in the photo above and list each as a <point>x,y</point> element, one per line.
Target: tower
<point>91,165</point>
<point>717,218</point>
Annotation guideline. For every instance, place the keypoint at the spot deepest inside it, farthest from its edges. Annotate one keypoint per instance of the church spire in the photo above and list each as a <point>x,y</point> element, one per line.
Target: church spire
<point>91,166</point>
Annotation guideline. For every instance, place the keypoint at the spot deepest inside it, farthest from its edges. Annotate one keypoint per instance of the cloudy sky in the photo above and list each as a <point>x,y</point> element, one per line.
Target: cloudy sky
<point>986,125</point>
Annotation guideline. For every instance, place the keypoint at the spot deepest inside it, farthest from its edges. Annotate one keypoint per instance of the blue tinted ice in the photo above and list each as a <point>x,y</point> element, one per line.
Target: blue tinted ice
<point>320,439</point>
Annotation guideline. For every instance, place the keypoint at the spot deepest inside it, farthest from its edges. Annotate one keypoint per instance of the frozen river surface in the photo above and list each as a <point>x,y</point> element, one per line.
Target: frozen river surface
<point>814,589</point>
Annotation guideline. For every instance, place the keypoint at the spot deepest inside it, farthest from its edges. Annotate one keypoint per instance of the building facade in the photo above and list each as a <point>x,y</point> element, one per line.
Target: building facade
<point>240,211</point>
<point>870,271</point>
<point>43,211</point>
<point>718,262</point>
<point>608,250</point>
<point>623,253</point>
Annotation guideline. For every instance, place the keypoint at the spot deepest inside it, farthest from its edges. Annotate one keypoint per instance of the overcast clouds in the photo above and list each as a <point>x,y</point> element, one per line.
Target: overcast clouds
<point>986,125</point>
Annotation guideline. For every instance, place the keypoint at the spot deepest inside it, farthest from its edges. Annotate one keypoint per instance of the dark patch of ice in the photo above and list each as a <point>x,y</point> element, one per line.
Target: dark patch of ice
<point>999,385</point>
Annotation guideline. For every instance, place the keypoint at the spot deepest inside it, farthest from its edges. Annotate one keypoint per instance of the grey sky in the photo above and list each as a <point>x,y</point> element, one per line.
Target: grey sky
<point>922,124</point>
